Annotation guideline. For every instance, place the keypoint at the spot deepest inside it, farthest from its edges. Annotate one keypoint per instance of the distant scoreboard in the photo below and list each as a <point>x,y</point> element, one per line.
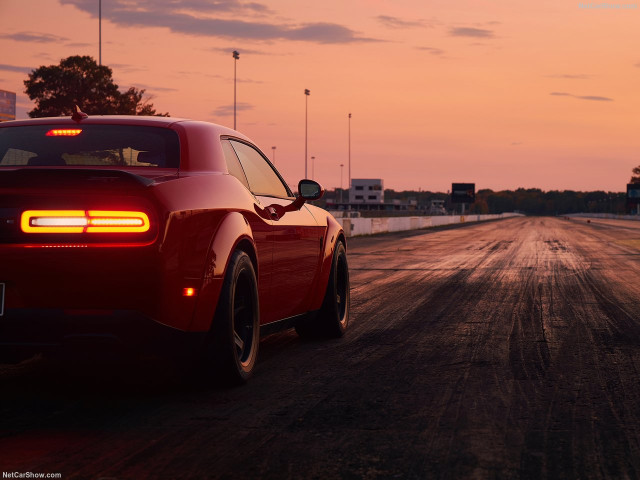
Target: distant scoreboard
<point>463,192</point>
<point>7,105</point>
<point>633,195</point>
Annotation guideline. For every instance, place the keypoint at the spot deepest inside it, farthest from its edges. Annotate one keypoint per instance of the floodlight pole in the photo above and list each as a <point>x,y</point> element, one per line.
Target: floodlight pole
<point>274,154</point>
<point>236,56</point>
<point>307,92</point>
<point>100,32</point>
<point>341,189</point>
<point>349,184</point>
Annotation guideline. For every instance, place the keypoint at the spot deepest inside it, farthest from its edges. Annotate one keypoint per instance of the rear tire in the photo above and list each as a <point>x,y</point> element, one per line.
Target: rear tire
<point>333,318</point>
<point>235,333</point>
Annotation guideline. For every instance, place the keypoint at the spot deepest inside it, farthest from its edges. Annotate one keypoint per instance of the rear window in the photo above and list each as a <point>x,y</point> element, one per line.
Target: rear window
<point>89,145</point>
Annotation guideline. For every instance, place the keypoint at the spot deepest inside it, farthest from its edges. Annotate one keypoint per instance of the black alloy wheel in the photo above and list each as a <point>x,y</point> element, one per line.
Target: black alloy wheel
<point>235,332</point>
<point>333,318</point>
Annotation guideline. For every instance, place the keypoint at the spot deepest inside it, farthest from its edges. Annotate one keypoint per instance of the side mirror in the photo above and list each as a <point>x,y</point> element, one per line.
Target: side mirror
<point>310,190</point>
<point>307,190</point>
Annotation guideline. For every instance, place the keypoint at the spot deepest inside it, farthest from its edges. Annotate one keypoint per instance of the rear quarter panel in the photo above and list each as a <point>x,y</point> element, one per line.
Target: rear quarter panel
<point>205,217</point>
<point>334,234</point>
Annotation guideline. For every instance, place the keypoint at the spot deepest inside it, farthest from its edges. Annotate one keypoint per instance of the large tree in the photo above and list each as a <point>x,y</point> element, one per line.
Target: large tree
<point>635,178</point>
<point>79,80</point>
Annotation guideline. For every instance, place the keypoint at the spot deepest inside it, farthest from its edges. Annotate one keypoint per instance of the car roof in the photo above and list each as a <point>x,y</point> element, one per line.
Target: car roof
<point>153,121</point>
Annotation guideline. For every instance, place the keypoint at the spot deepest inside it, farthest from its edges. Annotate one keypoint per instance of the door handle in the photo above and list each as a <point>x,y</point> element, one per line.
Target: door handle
<point>273,213</point>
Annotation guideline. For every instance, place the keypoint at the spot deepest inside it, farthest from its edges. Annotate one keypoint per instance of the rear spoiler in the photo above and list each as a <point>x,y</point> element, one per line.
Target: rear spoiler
<point>92,179</point>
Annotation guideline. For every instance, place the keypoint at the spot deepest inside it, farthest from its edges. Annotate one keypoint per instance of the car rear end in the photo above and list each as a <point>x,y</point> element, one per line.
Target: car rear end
<point>80,257</point>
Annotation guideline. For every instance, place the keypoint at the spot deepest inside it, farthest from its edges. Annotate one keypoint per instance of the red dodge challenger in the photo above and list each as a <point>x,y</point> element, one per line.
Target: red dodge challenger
<point>159,233</point>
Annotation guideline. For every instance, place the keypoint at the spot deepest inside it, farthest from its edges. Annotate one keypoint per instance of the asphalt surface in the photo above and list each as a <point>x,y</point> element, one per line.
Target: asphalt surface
<point>508,349</point>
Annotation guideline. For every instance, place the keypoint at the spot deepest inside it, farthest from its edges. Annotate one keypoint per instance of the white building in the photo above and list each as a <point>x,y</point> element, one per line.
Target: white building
<point>366,190</point>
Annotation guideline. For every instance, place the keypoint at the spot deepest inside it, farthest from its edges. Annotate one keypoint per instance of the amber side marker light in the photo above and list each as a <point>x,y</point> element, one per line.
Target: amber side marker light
<point>64,132</point>
<point>84,221</point>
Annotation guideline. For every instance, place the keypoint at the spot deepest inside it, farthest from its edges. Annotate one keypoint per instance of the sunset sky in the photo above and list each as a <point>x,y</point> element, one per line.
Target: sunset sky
<point>505,94</point>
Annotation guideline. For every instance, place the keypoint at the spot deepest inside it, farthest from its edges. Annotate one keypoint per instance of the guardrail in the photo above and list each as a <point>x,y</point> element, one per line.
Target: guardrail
<point>610,216</point>
<point>354,227</point>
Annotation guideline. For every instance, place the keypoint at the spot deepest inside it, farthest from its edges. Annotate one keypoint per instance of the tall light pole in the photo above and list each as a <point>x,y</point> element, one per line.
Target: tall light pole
<point>236,56</point>
<point>341,189</point>
<point>100,32</point>
<point>313,168</point>
<point>274,155</point>
<point>349,185</point>
<point>307,92</point>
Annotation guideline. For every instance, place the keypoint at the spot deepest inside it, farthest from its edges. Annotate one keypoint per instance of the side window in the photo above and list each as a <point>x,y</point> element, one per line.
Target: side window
<point>233,164</point>
<point>263,180</point>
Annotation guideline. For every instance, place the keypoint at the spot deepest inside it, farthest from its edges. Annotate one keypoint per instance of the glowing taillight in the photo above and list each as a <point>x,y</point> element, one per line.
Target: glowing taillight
<point>64,132</point>
<point>101,221</point>
<point>53,221</point>
<point>84,221</point>
<point>188,292</point>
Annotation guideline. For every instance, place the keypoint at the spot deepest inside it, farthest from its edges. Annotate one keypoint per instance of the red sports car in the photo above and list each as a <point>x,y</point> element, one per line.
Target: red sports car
<point>161,233</point>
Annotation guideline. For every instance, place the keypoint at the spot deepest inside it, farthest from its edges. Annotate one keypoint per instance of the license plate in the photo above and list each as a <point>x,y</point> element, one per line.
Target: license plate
<point>1,299</point>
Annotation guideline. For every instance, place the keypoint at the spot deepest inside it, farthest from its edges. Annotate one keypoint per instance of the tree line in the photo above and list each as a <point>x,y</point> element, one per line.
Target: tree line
<point>531,201</point>
<point>534,201</point>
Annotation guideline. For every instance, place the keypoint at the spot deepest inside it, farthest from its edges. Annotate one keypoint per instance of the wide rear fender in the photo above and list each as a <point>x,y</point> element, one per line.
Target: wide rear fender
<point>233,232</point>
<point>333,235</point>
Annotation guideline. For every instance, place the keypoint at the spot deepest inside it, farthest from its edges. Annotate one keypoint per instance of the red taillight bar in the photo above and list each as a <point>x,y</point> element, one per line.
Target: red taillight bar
<point>84,221</point>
